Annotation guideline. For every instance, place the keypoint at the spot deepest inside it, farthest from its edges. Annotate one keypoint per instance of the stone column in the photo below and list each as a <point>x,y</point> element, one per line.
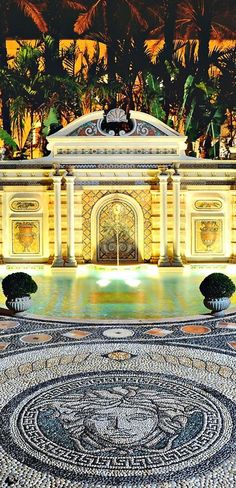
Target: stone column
<point>79,223</point>
<point>155,224</point>
<point>58,261</point>
<point>163,260</point>
<point>176,220</point>
<point>70,260</point>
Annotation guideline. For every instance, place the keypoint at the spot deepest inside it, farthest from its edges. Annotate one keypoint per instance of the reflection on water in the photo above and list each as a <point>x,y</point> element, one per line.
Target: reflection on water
<point>137,292</point>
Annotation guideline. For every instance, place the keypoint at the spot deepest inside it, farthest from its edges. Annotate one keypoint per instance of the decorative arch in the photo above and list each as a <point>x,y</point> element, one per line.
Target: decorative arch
<point>128,206</point>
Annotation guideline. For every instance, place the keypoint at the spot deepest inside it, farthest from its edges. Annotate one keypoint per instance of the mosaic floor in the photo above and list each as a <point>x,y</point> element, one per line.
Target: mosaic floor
<point>130,405</point>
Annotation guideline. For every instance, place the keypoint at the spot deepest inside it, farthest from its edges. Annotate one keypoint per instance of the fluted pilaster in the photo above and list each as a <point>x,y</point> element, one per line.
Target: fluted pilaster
<point>70,260</point>
<point>58,260</point>
<point>176,221</point>
<point>163,260</point>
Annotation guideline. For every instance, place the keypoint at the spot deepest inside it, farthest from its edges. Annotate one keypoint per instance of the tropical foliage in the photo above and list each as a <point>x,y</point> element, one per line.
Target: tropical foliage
<point>186,83</point>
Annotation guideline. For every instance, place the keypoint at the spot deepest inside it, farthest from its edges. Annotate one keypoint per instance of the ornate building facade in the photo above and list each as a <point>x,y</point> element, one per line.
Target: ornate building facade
<point>117,187</point>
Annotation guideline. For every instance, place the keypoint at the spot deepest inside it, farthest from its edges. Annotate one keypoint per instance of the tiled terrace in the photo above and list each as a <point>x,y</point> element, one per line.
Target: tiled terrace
<point>125,404</point>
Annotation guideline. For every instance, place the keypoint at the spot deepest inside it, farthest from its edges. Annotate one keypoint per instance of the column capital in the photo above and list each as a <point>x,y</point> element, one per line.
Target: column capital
<point>70,179</point>
<point>56,178</point>
<point>176,177</point>
<point>163,177</point>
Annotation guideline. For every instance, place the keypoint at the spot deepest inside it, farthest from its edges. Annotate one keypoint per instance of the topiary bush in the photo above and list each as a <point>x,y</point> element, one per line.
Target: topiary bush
<point>19,284</point>
<point>217,285</point>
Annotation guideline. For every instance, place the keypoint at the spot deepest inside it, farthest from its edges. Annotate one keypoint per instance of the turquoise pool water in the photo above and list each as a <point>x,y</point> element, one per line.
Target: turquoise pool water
<point>141,292</point>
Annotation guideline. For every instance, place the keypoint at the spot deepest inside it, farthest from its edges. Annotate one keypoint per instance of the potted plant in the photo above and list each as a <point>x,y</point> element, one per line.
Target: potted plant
<point>17,287</point>
<point>217,288</point>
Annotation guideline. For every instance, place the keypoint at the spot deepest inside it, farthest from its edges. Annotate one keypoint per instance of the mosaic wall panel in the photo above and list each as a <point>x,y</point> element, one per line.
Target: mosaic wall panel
<point>208,236</point>
<point>90,198</point>
<point>25,237</point>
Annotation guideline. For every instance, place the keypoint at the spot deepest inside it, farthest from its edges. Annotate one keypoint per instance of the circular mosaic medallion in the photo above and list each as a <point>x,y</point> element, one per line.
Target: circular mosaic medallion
<point>118,333</point>
<point>119,425</point>
<point>195,329</point>
<point>35,338</point>
<point>8,324</point>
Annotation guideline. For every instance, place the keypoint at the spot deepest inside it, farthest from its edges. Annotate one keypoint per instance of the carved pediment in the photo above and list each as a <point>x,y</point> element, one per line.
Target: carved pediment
<point>117,123</point>
<point>110,124</point>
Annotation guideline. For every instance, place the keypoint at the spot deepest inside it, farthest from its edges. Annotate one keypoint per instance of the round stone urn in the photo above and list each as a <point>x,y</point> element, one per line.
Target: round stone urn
<point>217,305</point>
<point>18,305</point>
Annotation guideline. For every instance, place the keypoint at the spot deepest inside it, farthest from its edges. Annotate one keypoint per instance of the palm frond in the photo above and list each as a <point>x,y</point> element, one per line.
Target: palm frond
<point>221,31</point>
<point>30,10</point>
<point>153,48</point>
<point>157,32</point>
<point>136,14</point>
<point>179,45</point>
<point>75,5</point>
<point>97,36</point>
<point>84,21</point>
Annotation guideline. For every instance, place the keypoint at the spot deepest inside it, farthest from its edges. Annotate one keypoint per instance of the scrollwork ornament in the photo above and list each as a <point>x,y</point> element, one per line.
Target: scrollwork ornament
<point>91,130</point>
<point>142,130</point>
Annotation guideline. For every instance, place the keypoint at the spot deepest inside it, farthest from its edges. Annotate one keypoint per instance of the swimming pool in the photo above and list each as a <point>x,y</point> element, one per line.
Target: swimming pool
<point>136,292</point>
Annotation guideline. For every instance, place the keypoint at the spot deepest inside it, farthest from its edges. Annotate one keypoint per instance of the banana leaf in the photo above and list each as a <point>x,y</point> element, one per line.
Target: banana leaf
<point>7,139</point>
<point>217,120</point>
<point>52,119</point>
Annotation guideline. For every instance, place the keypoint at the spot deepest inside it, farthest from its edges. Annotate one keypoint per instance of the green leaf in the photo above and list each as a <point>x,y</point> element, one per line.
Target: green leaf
<point>188,89</point>
<point>7,139</point>
<point>208,90</point>
<point>216,121</point>
<point>52,118</point>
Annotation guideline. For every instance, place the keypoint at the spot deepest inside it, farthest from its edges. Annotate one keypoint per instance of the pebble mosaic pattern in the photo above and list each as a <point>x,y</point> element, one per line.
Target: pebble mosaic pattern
<point>132,405</point>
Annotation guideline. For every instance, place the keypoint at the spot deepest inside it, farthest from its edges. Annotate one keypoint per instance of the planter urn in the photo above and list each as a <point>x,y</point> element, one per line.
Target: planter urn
<point>217,305</point>
<point>18,305</point>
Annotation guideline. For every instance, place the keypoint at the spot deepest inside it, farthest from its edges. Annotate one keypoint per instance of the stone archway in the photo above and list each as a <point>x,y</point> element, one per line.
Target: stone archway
<point>117,220</point>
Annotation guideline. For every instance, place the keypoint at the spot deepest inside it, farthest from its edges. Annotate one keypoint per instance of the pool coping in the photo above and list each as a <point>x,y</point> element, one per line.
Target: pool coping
<point>167,320</point>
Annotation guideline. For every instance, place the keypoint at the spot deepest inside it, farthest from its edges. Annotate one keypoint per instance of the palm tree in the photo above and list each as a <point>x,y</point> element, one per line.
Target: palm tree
<point>227,88</point>
<point>30,10</point>
<point>54,12</point>
<point>113,22</point>
<point>204,104</point>
<point>199,18</point>
<point>167,30</point>
<point>170,8</point>
<point>26,91</point>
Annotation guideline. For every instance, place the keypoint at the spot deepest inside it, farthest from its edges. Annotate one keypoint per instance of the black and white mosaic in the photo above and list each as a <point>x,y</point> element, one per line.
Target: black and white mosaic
<point>131,405</point>
<point>125,424</point>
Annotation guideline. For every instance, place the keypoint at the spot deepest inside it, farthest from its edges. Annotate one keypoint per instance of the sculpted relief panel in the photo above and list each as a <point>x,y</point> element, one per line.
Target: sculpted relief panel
<point>208,236</point>
<point>25,236</point>
<point>208,219</point>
